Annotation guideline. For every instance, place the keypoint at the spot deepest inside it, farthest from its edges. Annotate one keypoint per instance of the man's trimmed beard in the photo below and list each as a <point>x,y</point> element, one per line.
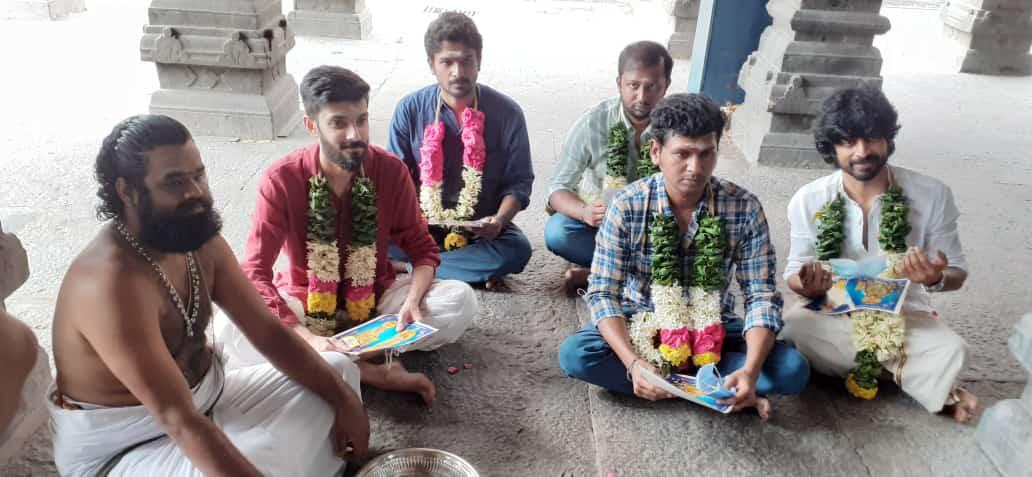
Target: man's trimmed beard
<point>180,231</point>
<point>348,155</point>
<point>875,159</point>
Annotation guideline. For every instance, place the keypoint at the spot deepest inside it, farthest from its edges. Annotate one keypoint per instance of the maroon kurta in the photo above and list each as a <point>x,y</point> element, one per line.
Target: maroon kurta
<point>281,223</point>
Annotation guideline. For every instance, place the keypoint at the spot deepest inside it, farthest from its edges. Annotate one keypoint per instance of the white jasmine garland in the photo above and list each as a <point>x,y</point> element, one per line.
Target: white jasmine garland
<point>360,267</point>
<point>324,260</point>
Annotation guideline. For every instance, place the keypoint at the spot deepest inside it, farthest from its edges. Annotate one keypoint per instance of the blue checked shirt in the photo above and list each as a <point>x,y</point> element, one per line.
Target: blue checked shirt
<point>621,272</point>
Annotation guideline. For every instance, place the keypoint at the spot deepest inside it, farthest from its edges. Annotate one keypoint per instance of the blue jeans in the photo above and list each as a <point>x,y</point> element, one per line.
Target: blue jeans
<point>481,260</point>
<point>586,356</point>
<point>570,239</point>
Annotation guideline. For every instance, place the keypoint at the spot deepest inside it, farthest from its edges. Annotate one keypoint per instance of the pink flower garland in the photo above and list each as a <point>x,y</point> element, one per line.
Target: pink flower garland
<point>474,152</point>
<point>431,168</point>
<point>431,165</point>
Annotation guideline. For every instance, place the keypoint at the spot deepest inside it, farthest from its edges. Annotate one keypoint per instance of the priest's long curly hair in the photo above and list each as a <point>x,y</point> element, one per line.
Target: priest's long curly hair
<point>123,154</point>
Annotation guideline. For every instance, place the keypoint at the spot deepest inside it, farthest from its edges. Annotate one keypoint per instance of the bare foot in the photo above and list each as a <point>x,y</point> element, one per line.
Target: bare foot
<point>965,407</point>
<point>397,378</point>
<point>496,284</point>
<point>763,408</point>
<point>574,280</point>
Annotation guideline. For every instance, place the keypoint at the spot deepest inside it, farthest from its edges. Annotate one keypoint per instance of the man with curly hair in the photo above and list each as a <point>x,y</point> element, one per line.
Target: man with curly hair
<point>455,123</point>
<point>687,130</point>
<point>856,131</point>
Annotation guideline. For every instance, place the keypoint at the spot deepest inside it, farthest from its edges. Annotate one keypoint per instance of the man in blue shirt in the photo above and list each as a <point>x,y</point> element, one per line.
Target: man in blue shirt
<point>686,132</point>
<point>445,167</point>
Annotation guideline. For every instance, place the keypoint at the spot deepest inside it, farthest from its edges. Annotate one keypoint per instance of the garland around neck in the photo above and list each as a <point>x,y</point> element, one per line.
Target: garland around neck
<point>431,171</point>
<point>617,156</point>
<point>878,336</point>
<point>324,257</point>
<point>678,334</point>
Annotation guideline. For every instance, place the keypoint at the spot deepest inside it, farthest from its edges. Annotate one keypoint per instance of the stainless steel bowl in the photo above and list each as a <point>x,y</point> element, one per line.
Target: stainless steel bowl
<point>418,462</point>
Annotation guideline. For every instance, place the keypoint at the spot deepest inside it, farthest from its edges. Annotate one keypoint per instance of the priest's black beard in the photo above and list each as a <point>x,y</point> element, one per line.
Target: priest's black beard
<point>180,231</point>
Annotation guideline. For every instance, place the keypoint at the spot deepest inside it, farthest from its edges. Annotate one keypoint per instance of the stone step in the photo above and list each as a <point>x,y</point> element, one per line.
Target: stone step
<point>789,150</point>
<point>814,89</point>
<point>832,59</point>
<point>841,22</point>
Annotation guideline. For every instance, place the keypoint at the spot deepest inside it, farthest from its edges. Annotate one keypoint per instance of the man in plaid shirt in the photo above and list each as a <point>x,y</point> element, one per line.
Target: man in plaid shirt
<point>687,130</point>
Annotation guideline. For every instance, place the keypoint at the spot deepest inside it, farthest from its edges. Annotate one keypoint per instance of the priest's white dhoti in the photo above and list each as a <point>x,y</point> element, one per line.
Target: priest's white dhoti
<point>278,425</point>
<point>934,355</point>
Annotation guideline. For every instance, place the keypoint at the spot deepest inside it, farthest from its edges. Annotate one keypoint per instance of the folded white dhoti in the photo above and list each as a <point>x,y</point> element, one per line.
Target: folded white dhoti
<point>934,354</point>
<point>449,306</point>
<point>279,426</point>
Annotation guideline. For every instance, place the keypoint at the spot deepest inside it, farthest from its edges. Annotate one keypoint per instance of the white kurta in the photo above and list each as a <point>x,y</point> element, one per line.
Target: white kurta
<point>935,355</point>
<point>279,426</point>
<point>449,306</point>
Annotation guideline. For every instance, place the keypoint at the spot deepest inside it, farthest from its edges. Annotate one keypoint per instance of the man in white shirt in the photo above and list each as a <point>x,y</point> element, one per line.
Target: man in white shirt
<point>856,131</point>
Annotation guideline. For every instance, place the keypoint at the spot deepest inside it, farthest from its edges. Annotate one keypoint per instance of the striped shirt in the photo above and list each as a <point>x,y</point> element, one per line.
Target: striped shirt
<point>621,272</point>
<point>582,162</point>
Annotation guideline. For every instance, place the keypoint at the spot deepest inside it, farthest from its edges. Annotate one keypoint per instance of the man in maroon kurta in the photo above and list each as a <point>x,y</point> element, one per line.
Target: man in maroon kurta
<point>336,104</point>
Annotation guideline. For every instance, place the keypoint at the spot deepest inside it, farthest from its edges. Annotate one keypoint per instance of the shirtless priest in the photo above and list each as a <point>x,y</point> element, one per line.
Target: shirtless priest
<point>139,390</point>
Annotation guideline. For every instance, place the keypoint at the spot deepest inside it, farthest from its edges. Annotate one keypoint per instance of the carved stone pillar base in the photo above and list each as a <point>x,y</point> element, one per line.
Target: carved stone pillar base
<point>686,19</point>
<point>991,37</point>
<point>222,69</point>
<point>39,9</point>
<point>334,18</point>
<point>1004,430</point>
<point>216,112</point>
<point>813,48</point>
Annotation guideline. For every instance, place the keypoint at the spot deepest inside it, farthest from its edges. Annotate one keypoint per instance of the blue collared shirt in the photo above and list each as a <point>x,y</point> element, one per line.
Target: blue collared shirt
<point>508,169</point>
<point>621,272</point>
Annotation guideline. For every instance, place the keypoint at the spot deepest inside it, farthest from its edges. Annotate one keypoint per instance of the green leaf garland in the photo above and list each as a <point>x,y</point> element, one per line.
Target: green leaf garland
<point>829,229</point>
<point>709,252</point>
<point>322,215</point>
<point>616,151</point>
<point>645,166</point>
<point>892,233</point>
<point>363,212</point>
<point>666,257</point>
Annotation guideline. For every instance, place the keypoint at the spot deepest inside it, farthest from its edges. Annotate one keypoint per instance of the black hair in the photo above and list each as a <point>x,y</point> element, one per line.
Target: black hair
<point>123,154</point>
<point>854,113</point>
<point>454,27</point>
<point>688,115</point>
<point>330,84</point>
<point>645,53</point>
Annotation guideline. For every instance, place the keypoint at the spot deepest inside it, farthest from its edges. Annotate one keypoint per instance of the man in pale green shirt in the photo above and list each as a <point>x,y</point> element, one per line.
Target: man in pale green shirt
<point>578,190</point>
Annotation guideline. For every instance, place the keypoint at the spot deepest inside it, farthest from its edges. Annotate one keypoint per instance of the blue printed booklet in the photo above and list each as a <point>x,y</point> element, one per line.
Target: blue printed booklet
<point>857,287</point>
<point>381,333</point>
<point>683,386</point>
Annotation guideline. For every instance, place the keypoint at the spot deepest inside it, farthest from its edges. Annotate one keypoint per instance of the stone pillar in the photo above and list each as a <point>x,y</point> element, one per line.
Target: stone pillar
<point>991,36</point>
<point>39,9</point>
<point>686,19</point>
<point>1005,429</point>
<point>336,18</point>
<point>813,48</point>
<point>222,66</point>
<point>32,410</point>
